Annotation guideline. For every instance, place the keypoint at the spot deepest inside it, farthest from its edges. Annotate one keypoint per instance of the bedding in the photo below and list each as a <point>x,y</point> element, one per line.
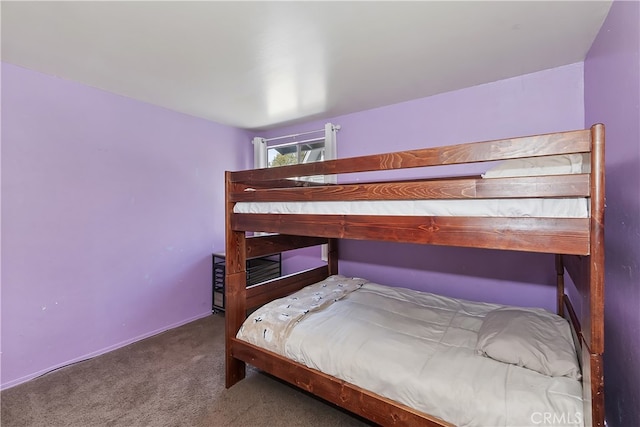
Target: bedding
<point>539,341</point>
<point>416,348</point>
<point>550,208</point>
<point>563,164</point>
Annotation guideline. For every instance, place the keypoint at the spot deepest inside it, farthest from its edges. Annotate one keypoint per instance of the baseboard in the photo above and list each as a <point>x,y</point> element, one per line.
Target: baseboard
<point>93,354</point>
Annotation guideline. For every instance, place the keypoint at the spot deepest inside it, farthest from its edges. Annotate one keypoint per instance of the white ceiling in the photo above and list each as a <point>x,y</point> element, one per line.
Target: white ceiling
<point>258,65</point>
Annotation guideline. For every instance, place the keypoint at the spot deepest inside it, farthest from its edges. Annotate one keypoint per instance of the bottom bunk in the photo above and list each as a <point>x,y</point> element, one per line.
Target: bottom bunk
<point>562,399</point>
<point>464,363</point>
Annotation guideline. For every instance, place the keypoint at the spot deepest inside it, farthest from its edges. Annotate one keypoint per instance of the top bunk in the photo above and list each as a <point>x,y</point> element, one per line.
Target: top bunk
<point>544,194</point>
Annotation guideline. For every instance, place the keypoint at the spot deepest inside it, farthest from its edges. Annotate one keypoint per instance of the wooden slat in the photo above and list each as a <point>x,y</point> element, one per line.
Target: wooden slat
<point>376,408</point>
<point>265,292</point>
<point>576,185</point>
<point>572,317</point>
<point>547,235</point>
<point>579,271</point>
<point>273,244</point>
<point>538,145</point>
<point>282,183</point>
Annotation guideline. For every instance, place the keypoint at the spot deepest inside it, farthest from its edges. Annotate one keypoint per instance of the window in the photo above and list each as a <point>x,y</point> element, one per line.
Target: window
<point>306,147</point>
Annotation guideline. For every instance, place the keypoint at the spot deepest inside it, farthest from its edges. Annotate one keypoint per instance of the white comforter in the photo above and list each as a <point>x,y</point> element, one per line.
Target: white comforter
<point>412,347</point>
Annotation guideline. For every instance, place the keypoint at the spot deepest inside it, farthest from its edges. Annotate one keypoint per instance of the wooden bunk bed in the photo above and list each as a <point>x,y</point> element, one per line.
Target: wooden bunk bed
<point>577,242</point>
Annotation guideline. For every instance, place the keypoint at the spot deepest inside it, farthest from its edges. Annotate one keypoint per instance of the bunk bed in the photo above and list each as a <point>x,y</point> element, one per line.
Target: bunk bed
<point>532,173</point>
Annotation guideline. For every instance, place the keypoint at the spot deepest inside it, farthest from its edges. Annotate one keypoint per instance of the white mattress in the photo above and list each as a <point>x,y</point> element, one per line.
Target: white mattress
<point>550,208</point>
<point>413,347</point>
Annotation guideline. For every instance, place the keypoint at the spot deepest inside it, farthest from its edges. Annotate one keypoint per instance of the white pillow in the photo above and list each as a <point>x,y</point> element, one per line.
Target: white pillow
<point>534,339</point>
<point>548,165</point>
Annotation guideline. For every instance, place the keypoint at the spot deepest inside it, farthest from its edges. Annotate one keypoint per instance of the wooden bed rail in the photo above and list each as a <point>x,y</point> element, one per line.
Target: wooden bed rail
<point>258,246</point>
<point>578,141</point>
<point>547,235</point>
<point>379,409</point>
<point>577,185</point>
<point>262,293</point>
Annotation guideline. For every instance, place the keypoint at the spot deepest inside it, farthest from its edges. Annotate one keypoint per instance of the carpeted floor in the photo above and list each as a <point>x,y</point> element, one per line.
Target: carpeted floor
<point>172,379</point>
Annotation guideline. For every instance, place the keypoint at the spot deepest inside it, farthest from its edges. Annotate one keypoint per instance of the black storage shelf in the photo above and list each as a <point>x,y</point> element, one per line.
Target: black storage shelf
<point>258,270</point>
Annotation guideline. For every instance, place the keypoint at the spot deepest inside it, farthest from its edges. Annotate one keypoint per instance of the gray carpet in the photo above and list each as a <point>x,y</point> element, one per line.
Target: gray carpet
<point>172,379</point>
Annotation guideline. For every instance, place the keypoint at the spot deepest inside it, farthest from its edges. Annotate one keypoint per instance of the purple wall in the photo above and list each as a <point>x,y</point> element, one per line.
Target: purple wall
<point>612,96</point>
<point>111,209</point>
<point>546,101</point>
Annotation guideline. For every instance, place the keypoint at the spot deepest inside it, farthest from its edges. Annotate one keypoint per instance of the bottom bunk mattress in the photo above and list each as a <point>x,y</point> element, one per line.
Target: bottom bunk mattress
<point>468,363</point>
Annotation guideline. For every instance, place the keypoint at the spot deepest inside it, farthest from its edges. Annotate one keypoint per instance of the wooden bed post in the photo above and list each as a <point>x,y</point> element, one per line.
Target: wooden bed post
<point>560,284</point>
<point>596,267</point>
<point>596,274</point>
<point>332,257</point>
<point>235,289</point>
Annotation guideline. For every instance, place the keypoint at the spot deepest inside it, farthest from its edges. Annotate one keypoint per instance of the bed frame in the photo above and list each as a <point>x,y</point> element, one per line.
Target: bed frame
<point>578,244</point>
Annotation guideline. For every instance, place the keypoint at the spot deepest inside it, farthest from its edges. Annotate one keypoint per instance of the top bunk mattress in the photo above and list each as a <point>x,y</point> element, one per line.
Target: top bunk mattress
<point>418,349</point>
<point>577,207</point>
